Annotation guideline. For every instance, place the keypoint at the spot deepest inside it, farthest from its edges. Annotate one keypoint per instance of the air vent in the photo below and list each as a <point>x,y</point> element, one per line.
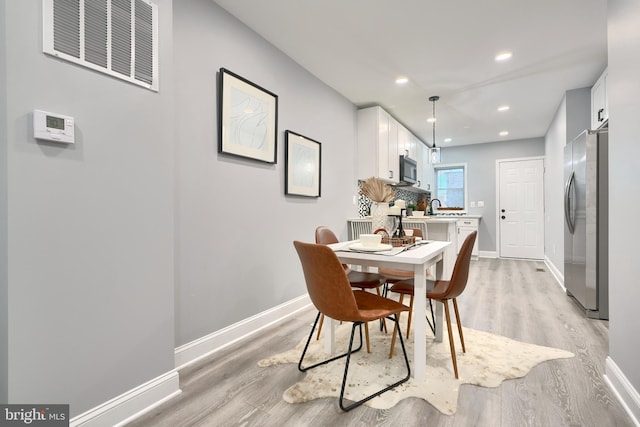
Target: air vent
<point>116,37</point>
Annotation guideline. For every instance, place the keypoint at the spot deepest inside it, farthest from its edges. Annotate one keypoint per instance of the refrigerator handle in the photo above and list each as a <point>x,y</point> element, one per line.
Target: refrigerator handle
<point>567,202</point>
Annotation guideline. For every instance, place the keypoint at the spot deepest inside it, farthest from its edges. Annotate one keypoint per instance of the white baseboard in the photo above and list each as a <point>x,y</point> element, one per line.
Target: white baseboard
<point>555,272</point>
<point>209,344</point>
<point>129,405</point>
<point>134,403</point>
<point>623,390</point>
<point>487,254</point>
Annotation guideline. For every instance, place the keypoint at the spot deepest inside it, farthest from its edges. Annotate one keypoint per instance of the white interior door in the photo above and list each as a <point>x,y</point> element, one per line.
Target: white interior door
<point>521,208</point>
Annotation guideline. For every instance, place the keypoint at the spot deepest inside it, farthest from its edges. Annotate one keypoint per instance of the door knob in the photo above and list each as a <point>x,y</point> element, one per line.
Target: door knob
<point>502,210</point>
<point>503,217</point>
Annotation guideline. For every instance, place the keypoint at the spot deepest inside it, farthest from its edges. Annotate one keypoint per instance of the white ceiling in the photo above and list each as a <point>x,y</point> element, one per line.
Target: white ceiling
<point>445,48</point>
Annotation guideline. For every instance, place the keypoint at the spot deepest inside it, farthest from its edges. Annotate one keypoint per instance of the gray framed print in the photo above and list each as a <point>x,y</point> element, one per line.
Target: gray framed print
<point>247,119</point>
<point>303,160</point>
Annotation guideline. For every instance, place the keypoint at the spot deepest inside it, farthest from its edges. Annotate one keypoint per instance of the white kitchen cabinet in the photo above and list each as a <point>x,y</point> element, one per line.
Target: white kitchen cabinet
<point>381,142</point>
<point>377,145</point>
<point>425,171</point>
<point>599,103</point>
<point>465,227</point>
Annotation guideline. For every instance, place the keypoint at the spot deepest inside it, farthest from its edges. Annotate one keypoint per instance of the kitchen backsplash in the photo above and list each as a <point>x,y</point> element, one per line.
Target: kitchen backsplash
<point>411,197</point>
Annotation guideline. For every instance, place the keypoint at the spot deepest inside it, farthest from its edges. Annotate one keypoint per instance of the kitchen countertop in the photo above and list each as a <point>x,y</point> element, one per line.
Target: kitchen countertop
<point>435,219</point>
<point>444,219</point>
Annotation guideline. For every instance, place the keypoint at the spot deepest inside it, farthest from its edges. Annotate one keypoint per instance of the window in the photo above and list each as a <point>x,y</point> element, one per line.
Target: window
<point>451,185</point>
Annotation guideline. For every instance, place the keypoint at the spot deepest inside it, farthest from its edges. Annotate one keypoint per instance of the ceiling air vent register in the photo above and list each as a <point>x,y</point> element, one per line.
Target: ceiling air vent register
<point>116,37</point>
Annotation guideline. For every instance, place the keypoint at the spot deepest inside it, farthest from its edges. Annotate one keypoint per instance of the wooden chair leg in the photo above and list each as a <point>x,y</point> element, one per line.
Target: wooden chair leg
<point>320,326</point>
<point>395,332</point>
<point>395,328</point>
<point>451,345</point>
<point>410,317</point>
<point>366,334</point>
<point>455,307</point>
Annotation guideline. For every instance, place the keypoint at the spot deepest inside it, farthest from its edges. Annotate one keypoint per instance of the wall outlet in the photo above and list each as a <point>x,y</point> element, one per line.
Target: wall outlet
<point>481,203</point>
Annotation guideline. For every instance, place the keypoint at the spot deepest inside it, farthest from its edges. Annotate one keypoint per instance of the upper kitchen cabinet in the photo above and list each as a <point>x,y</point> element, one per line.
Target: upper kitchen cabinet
<point>425,169</point>
<point>377,145</point>
<point>599,104</point>
<point>381,142</point>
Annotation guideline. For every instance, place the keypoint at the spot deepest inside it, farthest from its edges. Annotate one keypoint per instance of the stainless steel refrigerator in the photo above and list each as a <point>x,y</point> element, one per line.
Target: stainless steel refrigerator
<point>586,247</point>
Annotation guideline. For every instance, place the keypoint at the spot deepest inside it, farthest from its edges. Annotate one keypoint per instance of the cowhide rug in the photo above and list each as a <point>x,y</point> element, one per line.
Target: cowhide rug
<point>489,360</point>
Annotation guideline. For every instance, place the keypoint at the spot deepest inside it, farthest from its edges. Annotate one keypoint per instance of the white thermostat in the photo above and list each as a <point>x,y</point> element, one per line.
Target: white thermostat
<point>53,127</point>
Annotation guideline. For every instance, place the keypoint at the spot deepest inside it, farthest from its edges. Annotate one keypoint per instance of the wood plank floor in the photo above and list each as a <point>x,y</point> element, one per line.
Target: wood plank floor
<point>517,299</point>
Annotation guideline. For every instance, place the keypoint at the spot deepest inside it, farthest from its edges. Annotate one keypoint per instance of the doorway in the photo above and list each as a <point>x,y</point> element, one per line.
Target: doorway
<point>520,208</point>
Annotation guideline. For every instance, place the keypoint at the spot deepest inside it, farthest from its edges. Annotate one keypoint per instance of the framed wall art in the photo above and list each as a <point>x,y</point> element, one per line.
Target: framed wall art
<point>247,119</point>
<point>302,165</point>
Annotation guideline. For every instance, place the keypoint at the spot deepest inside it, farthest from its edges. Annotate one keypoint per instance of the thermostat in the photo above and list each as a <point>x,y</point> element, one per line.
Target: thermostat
<point>53,127</point>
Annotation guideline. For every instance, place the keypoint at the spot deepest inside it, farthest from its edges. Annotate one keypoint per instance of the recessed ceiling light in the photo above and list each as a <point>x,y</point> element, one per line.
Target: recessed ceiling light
<point>402,80</point>
<point>503,56</point>
<point>503,108</point>
<point>504,133</point>
<point>448,140</point>
<point>431,120</point>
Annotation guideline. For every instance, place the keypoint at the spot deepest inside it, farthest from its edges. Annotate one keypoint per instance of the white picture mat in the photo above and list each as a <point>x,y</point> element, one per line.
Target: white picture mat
<point>248,120</point>
<point>303,166</point>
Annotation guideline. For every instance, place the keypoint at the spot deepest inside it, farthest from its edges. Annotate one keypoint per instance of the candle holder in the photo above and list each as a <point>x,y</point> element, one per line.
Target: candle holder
<point>399,232</point>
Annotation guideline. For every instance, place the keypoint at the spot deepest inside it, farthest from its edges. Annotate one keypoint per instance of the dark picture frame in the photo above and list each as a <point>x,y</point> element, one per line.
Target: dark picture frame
<point>303,163</point>
<point>247,119</point>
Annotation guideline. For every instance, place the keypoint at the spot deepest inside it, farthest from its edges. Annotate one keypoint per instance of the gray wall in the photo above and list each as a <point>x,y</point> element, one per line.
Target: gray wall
<point>624,175</point>
<point>90,247</point>
<point>4,287</point>
<point>554,143</point>
<point>234,226</point>
<point>481,180</point>
<point>571,118</point>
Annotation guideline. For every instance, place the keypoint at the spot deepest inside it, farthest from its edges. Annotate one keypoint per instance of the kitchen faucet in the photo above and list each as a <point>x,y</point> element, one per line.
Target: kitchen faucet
<point>431,205</point>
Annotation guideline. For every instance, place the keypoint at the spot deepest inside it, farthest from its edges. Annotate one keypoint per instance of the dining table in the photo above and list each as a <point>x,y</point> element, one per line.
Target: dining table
<point>416,258</point>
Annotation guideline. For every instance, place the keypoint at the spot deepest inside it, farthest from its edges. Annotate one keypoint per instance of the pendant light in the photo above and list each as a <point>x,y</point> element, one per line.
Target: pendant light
<point>434,151</point>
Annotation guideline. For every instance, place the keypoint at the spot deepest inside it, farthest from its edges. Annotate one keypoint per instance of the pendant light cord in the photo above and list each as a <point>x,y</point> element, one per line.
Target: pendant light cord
<point>433,99</point>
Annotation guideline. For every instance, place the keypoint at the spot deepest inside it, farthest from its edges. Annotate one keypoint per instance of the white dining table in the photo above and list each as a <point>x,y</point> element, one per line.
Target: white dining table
<point>417,259</point>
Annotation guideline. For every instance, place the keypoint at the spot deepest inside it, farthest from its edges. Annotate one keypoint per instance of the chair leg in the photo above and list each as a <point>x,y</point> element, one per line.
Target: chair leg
<point>455,307</point>
<point>324,362</point>
<point>432,326</point>
<point>384,324</point>
<point>393,337</point>
<point>320,327</point>
<point>378,393</point>
<point>395,330</point>
<point>393,340</point>
<point>451,345</point>
<point>410,316</point>
<point>385,292</point>
<point>366,334</point>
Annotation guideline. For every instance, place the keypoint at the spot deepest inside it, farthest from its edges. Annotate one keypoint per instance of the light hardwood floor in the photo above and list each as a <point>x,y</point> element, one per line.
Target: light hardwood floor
<point>517,299</point>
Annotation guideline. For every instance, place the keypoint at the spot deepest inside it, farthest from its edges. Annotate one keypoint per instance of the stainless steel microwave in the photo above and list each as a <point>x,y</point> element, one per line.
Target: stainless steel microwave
<point>408,170</point>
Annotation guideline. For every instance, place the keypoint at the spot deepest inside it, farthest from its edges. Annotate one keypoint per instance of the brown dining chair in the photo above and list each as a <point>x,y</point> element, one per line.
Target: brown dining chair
<point>357,279</point>
<point>392,275</point>
<point>332,295</point>
<point>443,291</point>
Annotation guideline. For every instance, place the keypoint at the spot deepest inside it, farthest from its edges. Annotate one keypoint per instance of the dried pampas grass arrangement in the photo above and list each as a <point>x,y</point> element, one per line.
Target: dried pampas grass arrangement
<point>377,190</point>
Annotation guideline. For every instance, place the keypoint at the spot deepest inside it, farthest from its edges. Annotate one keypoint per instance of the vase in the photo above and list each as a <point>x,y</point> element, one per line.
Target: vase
<point>379,215</point>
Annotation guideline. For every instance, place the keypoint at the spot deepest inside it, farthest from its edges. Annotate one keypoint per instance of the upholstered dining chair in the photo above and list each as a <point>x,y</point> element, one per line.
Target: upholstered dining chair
<point>443,291</point>
<point>357,279</point>
<point>332,295</point>
<point>392,275</point>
